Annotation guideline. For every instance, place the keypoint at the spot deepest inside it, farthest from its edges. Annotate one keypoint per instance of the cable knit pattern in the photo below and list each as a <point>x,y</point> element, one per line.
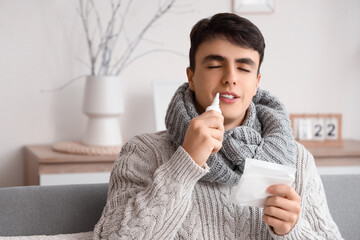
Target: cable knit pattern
<point>265,135</point>
<point>155,193</point>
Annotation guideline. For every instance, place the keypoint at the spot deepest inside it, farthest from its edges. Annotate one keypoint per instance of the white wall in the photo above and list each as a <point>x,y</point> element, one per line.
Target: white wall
<point>311,62</point>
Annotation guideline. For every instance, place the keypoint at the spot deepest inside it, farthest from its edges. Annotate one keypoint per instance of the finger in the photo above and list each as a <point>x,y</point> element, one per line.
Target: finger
<point>213,123</point>
<point>281,202</point>
<point>213,111</point>
<point>280,227</point>
<point>284,190</point>
<point>214,119</point>
<point>272,221</point>
<point>280,214</point>
<point>202,125</point>
<point>217,145</point>
<point>217,134</point>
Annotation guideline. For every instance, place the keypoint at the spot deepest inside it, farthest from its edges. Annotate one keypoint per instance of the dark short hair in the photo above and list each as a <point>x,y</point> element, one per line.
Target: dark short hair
<point>236,29</point>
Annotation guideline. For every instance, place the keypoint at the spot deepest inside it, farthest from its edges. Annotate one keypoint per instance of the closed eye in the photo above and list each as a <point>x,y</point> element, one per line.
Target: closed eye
<point>217,66</point>
<point>243,69</point>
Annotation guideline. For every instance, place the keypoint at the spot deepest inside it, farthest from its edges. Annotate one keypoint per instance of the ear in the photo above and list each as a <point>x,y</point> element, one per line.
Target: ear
<point>257,83</point>
<point>190,76</point>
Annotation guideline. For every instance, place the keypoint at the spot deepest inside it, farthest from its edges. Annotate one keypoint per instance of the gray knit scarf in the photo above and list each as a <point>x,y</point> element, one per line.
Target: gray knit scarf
<point>265,135</point>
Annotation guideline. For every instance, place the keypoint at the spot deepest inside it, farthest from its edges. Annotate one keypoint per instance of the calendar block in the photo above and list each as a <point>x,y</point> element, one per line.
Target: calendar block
<point>318,126</point>
<point>331,126</point>
<point>305,131</point>
<point>317,129</point>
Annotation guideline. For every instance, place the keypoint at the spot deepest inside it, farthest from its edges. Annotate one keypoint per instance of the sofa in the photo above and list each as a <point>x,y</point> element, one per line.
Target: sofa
<point>68,209</point>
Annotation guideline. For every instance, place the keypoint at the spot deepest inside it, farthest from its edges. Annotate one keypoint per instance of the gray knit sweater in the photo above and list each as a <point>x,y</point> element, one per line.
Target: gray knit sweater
<point>155,193</point>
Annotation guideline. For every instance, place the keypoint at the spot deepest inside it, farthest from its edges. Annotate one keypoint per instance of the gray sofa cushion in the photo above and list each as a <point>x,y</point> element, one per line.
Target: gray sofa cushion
<point>50,210</point>
<point>343,197</point>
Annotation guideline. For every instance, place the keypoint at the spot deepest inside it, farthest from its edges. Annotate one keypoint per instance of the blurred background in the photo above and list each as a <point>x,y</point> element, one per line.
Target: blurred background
<point>312,63</point>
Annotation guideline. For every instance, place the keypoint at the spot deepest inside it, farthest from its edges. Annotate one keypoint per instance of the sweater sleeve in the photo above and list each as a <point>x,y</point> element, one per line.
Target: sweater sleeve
<point>315,221</point>
<point>148,199</point>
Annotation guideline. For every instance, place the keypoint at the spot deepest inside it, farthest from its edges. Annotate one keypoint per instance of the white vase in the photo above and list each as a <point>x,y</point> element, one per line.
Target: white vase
<point>103,104</point>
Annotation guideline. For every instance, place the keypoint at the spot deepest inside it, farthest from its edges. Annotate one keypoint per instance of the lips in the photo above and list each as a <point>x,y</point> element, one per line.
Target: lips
<point>228,97</point>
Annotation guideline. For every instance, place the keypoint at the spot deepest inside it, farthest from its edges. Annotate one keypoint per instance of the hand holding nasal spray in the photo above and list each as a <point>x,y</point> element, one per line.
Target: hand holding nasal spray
<point>194,144</point>
<point>215,105</point>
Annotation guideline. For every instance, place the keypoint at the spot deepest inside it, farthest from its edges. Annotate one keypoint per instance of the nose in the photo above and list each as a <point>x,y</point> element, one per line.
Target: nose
<point>230,77</point>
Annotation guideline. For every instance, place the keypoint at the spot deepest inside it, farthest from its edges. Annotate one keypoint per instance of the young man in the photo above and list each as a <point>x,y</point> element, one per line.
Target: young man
<point>176,184</point>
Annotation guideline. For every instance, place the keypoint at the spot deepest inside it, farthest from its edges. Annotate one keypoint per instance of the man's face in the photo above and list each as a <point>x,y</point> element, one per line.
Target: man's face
<point>225,68</point>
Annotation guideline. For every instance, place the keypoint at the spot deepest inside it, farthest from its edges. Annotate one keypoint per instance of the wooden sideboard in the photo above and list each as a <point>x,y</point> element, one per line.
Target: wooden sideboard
<point>332,156</point>
<point>41,160</point>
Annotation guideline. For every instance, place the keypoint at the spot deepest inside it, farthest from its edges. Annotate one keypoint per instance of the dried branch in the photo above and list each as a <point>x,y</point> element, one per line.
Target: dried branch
<point>84,17</point>
<point>135,43</point>
<point>106,44</point>
<point>153,51</point>
<point>97,16</point>
<point>109,38</point>
<point>122,23</point>
<point>64,85</point>
<point>83,62</point>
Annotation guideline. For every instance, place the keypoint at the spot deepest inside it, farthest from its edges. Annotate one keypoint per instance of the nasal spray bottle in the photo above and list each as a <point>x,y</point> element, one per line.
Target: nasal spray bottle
<point>215,105</point>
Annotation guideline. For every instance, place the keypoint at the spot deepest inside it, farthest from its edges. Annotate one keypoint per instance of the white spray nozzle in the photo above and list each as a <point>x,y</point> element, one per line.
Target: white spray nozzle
<point>215,105</point>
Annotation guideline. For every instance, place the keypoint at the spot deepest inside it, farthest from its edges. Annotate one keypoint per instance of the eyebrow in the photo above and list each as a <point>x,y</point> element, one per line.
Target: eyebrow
<point>247,61</point>
<point>220,58</point>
